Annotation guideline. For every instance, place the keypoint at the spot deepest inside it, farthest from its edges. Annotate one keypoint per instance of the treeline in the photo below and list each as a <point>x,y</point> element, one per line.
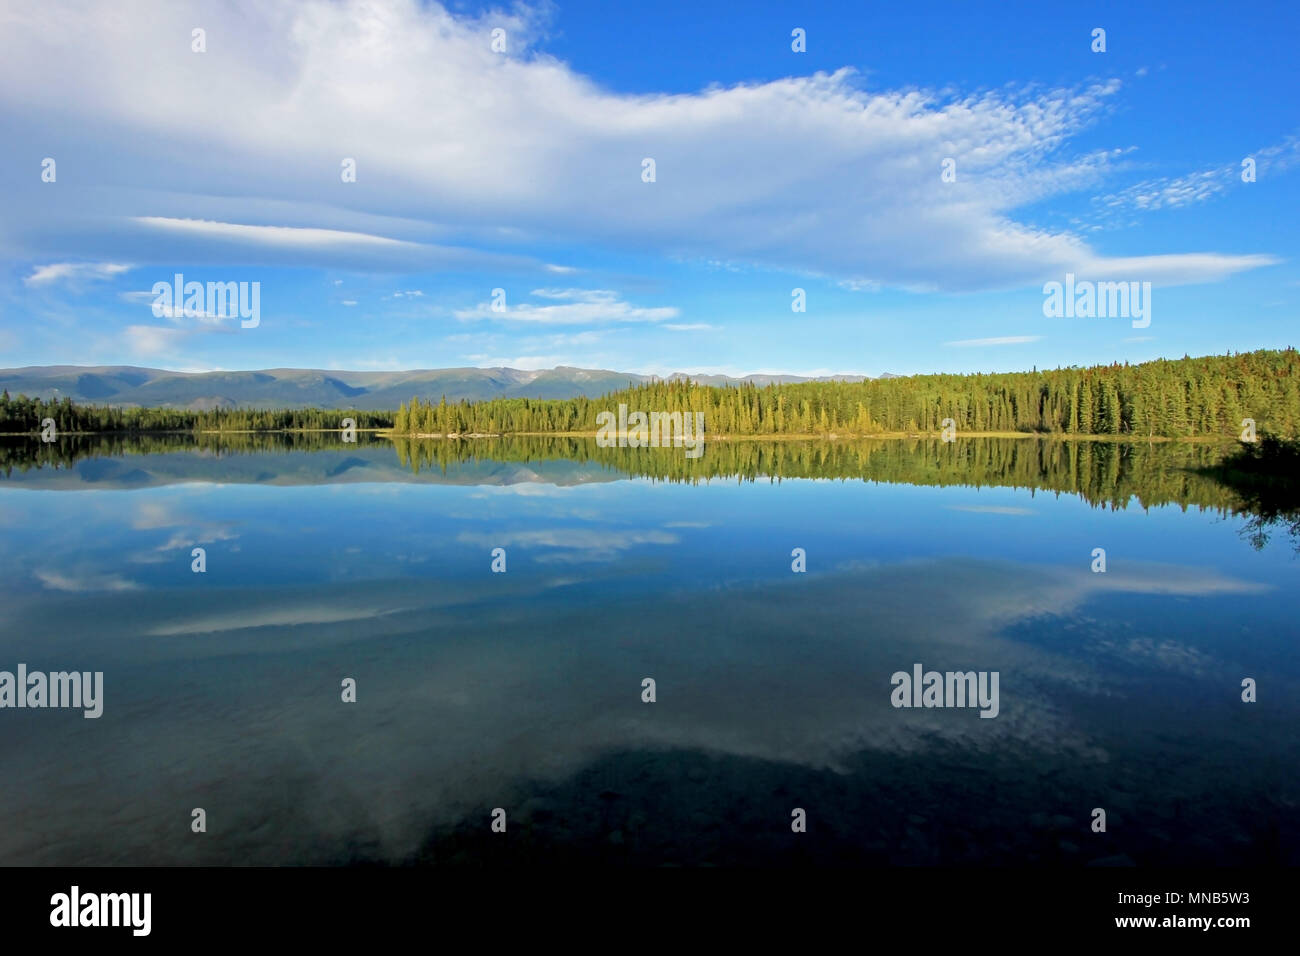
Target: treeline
<point>1260,481</point>
<point>1105,474</point>
<point>1180,398</point>
<point>23,415</point>
<point>22,455</point>
<point>305,419</point>
<point>1265,475</point>
<point>1165,398</point>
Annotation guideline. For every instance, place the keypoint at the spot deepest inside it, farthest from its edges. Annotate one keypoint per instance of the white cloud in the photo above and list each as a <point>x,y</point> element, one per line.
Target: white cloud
<point>1170,192</point>
<point>1180,269</point>
<point>58,581</point>
<point>576,307</point>
<point>224,241</point>
<point>806,173</point>
<point>154,340</point>
<point>525,363</point>
<point>573,544</point>
<point>74,271</point>
<point>1173,192</point>
<point>578,295</point>
<point>268,235</point>
<point>201,315</point>
<point>167,311</point>
<point>245,619</point>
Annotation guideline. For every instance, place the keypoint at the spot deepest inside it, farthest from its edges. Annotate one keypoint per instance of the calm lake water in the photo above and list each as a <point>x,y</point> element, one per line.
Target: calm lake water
<point>522,690</point>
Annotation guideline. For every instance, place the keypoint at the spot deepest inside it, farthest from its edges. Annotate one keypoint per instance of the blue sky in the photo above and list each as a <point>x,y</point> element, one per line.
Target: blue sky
<point>522,171</point>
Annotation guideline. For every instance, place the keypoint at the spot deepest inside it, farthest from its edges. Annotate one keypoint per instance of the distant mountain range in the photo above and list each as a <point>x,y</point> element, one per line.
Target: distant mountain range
<point>317,388</point>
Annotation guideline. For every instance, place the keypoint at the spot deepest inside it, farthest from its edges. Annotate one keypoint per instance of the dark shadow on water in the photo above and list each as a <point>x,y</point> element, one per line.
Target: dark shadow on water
<point>687,808</point>
<point>1265,476</point>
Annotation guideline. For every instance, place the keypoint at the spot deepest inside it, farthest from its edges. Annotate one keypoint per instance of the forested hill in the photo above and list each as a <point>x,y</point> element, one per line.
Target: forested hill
<point>302,388</point>
<point>1168,398</point>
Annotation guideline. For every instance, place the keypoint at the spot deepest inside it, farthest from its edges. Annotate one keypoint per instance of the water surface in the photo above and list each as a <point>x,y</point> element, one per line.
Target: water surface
<point>522,690</point>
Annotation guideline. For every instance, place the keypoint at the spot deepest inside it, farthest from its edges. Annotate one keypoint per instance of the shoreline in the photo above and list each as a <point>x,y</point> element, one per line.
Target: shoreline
<point>832,437</point>
<point>836,436</point>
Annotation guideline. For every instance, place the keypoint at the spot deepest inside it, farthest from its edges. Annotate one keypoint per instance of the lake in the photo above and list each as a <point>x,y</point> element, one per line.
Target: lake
<point>524,689</point>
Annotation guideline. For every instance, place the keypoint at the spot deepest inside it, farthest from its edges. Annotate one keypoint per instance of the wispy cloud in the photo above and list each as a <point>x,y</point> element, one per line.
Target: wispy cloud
<point>218,240</point>
<point>573,544</point>
<point>155,340</point>
<point>59,581</point>
<point>292,236</point>
<point>74,271</point>
<point>556,155</point>
<point>181,316</point>
<point>1174,192</point>
<point>575,307</point>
